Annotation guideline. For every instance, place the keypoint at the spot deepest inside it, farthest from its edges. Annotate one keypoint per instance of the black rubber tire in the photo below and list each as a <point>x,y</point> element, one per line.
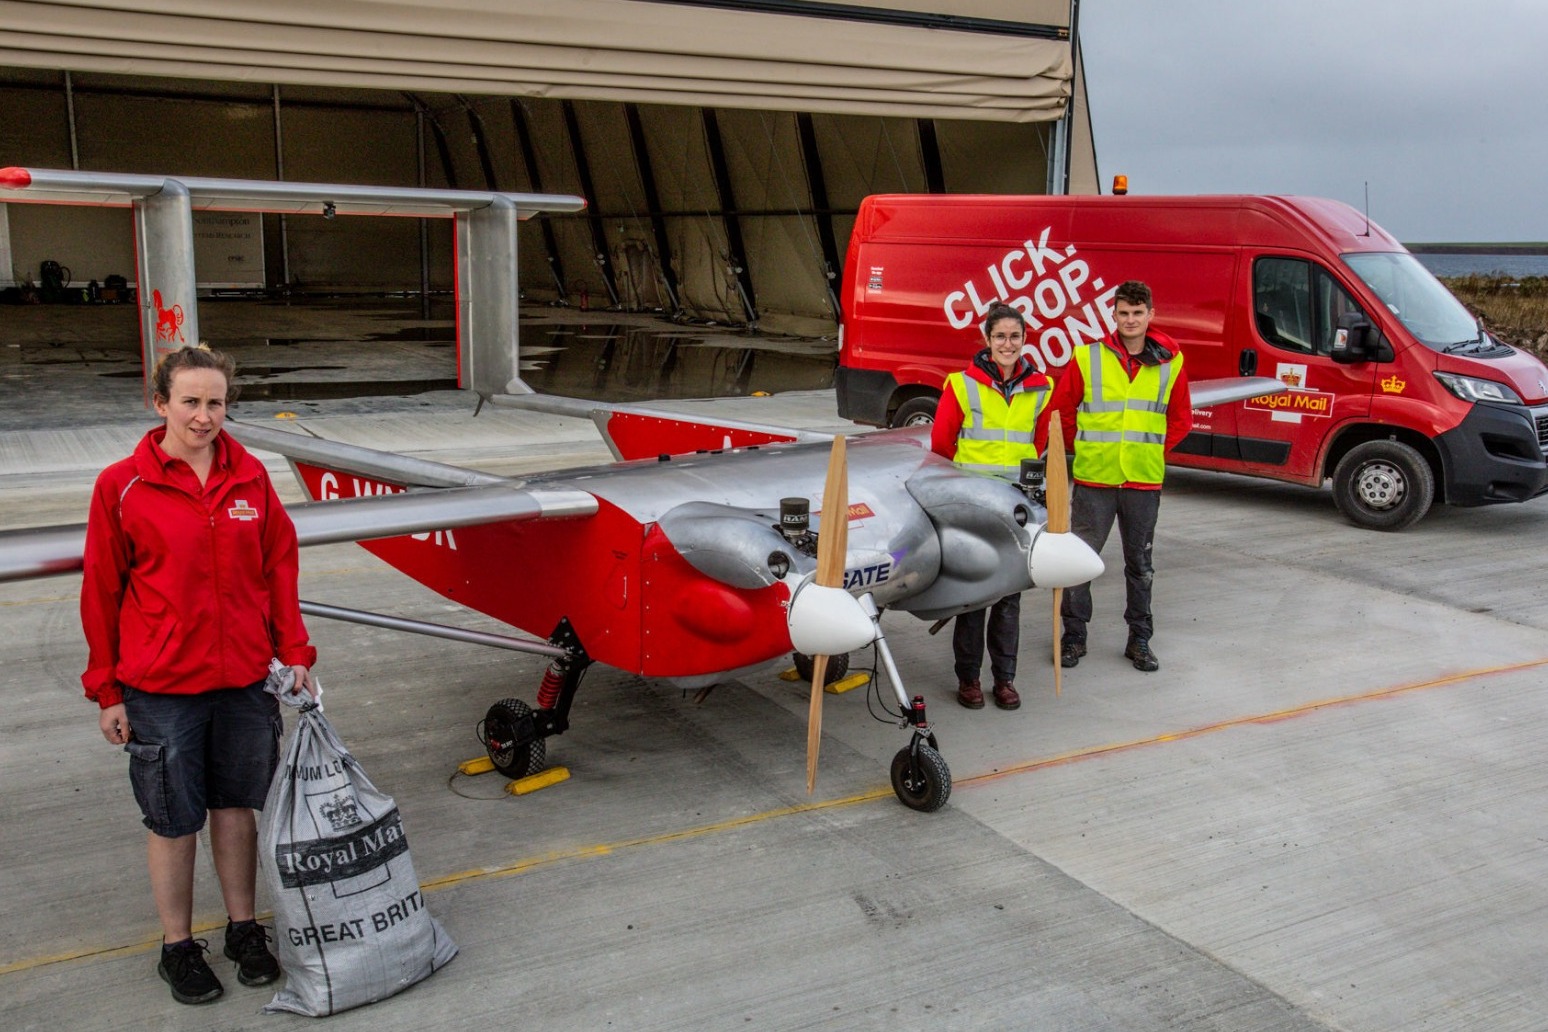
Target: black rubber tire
<point>838,666</point>
<point>922,784</point>
<point>915,412</point>
<point>499,740</point>
<point>1383,485</point>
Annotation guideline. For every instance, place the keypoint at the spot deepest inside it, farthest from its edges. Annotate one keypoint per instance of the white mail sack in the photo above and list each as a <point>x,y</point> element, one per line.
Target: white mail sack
<point>349,920</point>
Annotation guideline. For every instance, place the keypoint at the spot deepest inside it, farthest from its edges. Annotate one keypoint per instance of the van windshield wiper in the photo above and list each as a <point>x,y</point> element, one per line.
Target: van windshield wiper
<point>1451,349</point>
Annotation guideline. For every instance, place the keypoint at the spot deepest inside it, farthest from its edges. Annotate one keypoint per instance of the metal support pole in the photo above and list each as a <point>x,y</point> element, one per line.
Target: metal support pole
<point>730,221</point>
<point>487,345</point>
<point>164,247</point>
<point>75,147</point>
<point>424,224</point>
<point>279,173</point>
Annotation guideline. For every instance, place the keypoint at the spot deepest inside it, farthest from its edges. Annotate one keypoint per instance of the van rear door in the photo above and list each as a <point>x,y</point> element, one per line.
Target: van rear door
<point>1296,305</point>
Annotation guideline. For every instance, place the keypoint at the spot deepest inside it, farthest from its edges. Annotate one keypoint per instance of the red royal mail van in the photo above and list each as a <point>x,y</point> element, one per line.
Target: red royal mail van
<point>1391,389</point>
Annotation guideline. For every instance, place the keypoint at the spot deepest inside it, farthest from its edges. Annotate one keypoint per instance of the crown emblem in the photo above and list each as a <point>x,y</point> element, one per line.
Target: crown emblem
<point>1290,379</point>
<point>341,812</point>
<point>1392,385</point>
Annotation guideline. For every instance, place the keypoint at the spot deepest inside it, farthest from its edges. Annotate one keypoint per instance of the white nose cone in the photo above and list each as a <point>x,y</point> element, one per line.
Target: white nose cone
<point>1061,561</point>
<point>827,621</point>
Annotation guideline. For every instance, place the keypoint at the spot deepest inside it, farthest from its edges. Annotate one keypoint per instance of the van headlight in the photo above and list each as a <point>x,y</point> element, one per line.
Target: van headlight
<point>1471,388</point>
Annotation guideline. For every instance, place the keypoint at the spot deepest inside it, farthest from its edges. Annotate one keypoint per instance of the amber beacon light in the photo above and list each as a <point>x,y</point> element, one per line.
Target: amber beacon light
<point>1120,185</point>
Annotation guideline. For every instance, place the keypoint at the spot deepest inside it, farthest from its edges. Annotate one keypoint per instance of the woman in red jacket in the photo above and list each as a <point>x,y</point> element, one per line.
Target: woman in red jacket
<point>190,588</point>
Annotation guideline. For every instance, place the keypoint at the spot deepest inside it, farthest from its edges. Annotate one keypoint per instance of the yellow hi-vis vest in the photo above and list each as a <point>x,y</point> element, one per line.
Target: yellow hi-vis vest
<point>1120,426</point>
<point>996,435</point>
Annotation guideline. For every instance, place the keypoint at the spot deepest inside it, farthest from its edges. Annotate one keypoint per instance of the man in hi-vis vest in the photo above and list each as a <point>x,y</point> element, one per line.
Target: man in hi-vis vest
<point>1123,404</point>
<point>985,422</point>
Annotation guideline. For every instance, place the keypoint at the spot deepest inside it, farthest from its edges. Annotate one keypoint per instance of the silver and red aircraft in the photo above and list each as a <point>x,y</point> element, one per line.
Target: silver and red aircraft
<point>704,549</point>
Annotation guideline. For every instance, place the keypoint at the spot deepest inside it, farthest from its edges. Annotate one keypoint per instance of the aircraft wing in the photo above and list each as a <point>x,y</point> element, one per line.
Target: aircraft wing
<point>1209,393</point>
<point>642,432</point>
<point>445,497</point>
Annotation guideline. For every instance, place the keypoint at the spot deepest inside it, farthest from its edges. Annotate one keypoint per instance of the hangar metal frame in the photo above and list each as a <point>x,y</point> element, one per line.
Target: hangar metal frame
<point>163,206</point>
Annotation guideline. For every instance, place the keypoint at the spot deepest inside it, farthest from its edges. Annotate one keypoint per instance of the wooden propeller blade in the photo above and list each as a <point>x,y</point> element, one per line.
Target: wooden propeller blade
<point>1056,493</point>
<point>832,546</point>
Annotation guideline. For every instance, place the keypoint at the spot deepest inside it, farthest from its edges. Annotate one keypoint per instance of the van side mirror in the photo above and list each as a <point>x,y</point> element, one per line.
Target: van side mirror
<point>1353,339</point>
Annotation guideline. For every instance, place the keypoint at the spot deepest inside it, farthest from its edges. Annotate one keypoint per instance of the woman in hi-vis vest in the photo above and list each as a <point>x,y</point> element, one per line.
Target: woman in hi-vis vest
<point>985,422</point>
<point>1123,404</point>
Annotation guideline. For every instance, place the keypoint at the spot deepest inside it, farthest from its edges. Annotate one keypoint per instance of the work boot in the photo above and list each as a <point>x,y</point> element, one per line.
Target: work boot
<point>183,968</point>
<point>1070,653</point>
<point>247,943</point>
<point>1139,651</point>
<point>970,694</point>
<point>1005,695</point>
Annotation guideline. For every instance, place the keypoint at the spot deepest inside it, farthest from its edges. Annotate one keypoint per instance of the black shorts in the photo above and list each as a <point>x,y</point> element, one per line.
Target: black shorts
<point>193,753</point>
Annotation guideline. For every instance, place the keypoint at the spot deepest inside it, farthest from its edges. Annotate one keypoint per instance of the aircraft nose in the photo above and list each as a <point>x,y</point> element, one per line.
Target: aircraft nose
<point>1062,561</point>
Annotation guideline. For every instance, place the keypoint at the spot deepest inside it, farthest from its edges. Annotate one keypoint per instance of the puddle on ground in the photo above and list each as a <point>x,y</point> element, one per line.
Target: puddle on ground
<point>602,361</point>
<point>633,363</point>
<point>323,390</point>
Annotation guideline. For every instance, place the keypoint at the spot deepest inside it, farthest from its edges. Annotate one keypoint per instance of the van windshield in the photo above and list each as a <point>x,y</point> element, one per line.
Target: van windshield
<point>1417,298</point>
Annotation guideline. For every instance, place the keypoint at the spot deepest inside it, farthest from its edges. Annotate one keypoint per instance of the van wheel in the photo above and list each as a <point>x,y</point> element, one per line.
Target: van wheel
<point>915,412</point>
<point>1383,485</point>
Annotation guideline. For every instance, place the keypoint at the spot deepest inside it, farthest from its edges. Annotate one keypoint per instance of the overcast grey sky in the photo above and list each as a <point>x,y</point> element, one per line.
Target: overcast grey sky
<point>1441,105</point>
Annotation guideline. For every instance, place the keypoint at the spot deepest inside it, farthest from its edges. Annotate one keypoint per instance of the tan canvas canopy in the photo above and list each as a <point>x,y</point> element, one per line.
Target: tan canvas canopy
<point>723,146</point>
<point>620,50</point>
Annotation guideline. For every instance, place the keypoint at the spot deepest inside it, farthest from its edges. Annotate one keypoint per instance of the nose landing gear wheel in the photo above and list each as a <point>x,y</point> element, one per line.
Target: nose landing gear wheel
<point>838,666</point>
<point>921,778</point>
<point>507,723</point>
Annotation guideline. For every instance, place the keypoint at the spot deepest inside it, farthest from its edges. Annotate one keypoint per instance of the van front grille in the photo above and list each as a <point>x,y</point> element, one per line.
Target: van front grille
<point>1542,431</point>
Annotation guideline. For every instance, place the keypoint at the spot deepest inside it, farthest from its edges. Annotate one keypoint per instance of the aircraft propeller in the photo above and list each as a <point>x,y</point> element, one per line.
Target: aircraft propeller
<point>1056,499</point>
<point>832,542</point>
<point>825,620</point>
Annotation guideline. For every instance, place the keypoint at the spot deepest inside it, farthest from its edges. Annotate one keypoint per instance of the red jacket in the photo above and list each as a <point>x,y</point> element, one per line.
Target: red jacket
<point>187,588</point>
<point>1071,388</point>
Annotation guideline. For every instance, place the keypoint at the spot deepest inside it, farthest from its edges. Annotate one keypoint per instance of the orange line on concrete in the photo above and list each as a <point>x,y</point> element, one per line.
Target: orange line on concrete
<point>1259,718</point>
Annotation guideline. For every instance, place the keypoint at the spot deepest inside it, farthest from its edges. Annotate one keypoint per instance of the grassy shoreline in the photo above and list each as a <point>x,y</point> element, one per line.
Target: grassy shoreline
<point>1444,247</point>
<point>1514,310</point>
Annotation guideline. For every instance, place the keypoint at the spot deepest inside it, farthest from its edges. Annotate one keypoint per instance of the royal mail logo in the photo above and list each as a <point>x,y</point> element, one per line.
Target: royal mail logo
<point>340,812</point>
<point>1392,385</point>
<point>242,511</point>
<point>1297,402</point>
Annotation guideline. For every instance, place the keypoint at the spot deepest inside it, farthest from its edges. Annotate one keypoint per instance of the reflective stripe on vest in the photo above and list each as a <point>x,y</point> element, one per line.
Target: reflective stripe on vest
<point>996,435</point>
<point>1120,426</point>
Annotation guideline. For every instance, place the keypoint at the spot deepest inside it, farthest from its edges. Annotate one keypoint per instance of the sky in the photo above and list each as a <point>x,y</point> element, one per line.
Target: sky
<point>1441,106</point>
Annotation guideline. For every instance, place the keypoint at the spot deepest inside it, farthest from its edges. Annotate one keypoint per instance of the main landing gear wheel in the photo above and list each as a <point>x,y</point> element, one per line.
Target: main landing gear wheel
<point>506,723</point>
<point>921,778</point>
<point>838,666</point>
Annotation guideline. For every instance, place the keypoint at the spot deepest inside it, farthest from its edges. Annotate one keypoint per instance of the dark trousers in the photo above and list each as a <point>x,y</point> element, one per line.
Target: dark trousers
<point>1004,635</point>
<point>1092,511</point>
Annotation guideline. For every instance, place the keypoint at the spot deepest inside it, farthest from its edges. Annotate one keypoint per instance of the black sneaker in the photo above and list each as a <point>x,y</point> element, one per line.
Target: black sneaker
<point>1070,652</point>
<point>183,968</point>
<point>1138,650</point>
<point>247,943</point>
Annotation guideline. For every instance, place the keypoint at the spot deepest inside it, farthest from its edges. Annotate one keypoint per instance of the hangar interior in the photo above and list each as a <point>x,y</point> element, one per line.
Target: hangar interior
<point>723,147</point>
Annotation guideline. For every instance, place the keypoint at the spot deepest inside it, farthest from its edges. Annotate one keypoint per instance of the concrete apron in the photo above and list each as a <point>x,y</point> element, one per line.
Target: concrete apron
<point>1323,810</point>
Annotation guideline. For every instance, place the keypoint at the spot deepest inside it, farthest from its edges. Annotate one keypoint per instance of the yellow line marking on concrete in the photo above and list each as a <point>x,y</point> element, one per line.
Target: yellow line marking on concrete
<point>1259,718</point>
<point>593,851</point>
<point>39,601</point>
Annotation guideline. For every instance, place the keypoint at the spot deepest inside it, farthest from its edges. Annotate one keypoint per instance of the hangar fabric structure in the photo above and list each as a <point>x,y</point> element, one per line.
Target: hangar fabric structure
<point>723,146</point>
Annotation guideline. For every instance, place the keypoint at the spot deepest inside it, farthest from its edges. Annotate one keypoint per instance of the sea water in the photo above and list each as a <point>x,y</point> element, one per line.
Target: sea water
<point>1518,265</point>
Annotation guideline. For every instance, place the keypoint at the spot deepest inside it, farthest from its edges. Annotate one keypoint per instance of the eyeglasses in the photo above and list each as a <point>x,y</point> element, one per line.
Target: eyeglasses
<point>1003,338</point>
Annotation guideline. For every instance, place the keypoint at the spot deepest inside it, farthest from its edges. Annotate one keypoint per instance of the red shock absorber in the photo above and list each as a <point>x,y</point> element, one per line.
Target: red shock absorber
<point>553,680</point>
